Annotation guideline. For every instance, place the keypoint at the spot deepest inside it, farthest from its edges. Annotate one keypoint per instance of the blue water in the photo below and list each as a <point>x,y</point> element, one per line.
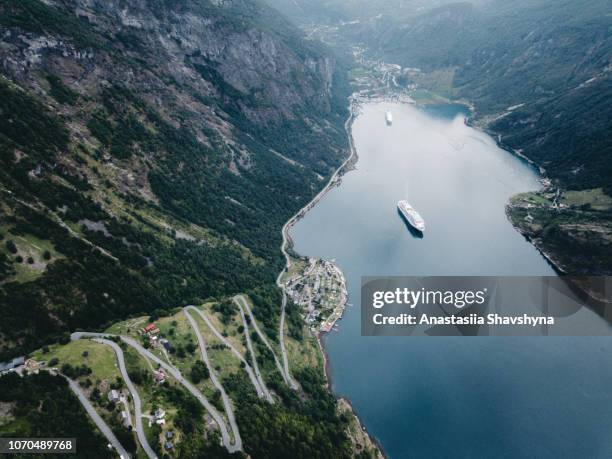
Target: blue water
<point>434,397</point>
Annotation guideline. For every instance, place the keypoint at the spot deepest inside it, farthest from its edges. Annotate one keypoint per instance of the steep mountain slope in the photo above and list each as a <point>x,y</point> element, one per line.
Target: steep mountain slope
<point>551,59</point>
<point>540,76</point>
<point>150,152</point>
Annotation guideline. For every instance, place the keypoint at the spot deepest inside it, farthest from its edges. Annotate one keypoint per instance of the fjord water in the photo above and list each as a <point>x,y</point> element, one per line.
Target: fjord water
<point>430,397</point>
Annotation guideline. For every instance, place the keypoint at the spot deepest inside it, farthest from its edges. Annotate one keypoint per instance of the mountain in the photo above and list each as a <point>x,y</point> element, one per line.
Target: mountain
<point>150,153</point>
<point>539,76</point>
<point>549,60</point>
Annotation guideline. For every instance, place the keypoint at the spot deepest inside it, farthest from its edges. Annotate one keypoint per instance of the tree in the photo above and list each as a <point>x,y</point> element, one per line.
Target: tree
<point>180,352</point>
<point>47,255</point>
<point>199,372</point>
<point>10,245</point>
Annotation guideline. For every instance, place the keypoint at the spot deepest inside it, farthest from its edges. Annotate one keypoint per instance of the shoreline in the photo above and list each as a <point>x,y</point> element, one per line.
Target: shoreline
<point>546,185</point>
<point>334,180</point>
<point>544,180</point>
<point>355,100</point>
<point>347,165</point>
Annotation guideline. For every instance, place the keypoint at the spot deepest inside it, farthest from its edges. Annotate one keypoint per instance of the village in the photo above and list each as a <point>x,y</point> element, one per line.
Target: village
<point>319,287</point>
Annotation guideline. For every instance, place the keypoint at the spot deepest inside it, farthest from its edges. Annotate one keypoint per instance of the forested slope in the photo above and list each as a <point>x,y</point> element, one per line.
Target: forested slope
<point>150,152</point>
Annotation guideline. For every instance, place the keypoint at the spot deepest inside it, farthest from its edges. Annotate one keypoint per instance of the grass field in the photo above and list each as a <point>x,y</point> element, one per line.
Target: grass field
<point>100,358</point>
<point>30,248</point>
<point>304,353</point>
<point>533,198</point>
<point>222,359</point>
<point>595,198</point>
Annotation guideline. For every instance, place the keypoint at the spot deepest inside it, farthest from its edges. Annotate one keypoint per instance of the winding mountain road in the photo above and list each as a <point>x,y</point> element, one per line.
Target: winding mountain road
<point>142,438</point>
<point>241,300</point>
<point>95,417</point>
<point>247,336</point>
<point>213,377</point>
<point>286,238</point>
<point>247,367</point>
<point>176,374</point>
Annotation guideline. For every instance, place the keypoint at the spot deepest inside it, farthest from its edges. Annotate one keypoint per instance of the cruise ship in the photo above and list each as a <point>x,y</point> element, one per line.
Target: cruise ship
<point>411,215</point>
<point>389,118</point>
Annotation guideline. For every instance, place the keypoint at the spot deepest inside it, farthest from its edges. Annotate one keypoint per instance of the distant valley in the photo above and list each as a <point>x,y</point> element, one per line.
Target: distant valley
<point>539,75</point>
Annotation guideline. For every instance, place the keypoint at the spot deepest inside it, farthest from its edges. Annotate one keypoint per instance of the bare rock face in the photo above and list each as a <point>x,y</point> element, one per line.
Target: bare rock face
<point>249,59</point>
<point>214,120</point>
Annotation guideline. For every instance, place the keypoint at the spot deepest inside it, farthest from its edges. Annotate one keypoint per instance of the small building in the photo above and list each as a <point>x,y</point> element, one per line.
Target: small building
<point>169,434</point>
<point>113,396</point>
<point>150,330</point>
<point>159,376</point>
<point>125,419</point>
<point>159,414</point>
<point>168,445</point>
<point>32,366</point>
<point>164,342</point>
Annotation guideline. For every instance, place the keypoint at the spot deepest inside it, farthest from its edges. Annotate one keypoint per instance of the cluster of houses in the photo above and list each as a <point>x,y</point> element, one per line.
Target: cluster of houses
<point>158,417</point>
<point>114,396</point>
<point>152,332</point>
<point>169,435</point>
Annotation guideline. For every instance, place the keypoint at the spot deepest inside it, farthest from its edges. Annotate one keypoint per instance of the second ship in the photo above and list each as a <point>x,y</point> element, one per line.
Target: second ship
<point>389,118</point>
<point>412,216</point>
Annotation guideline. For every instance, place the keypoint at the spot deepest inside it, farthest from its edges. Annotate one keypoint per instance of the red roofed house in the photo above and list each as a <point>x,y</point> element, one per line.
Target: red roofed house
<point>150,330</point>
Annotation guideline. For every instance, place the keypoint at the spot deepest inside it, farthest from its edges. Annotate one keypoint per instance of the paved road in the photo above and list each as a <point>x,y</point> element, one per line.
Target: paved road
<point>213,377</point>
<point>281,332</point>
<point>241,299</point>
<point>247,335</point>
<point>225,436</point>
<point>222,338</point>
<point>93,414</point>
<point>176,374</point>
<point>142,438</point>
<point>286,238</point>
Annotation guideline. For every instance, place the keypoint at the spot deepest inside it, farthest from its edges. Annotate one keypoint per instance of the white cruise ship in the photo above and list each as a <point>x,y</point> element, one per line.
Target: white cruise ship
<point>411,215</point>
<point>389,118</point>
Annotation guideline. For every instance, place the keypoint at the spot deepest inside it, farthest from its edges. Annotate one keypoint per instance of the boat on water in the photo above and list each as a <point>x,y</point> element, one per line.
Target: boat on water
<point>389,118</point>
<point>412,216</point>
